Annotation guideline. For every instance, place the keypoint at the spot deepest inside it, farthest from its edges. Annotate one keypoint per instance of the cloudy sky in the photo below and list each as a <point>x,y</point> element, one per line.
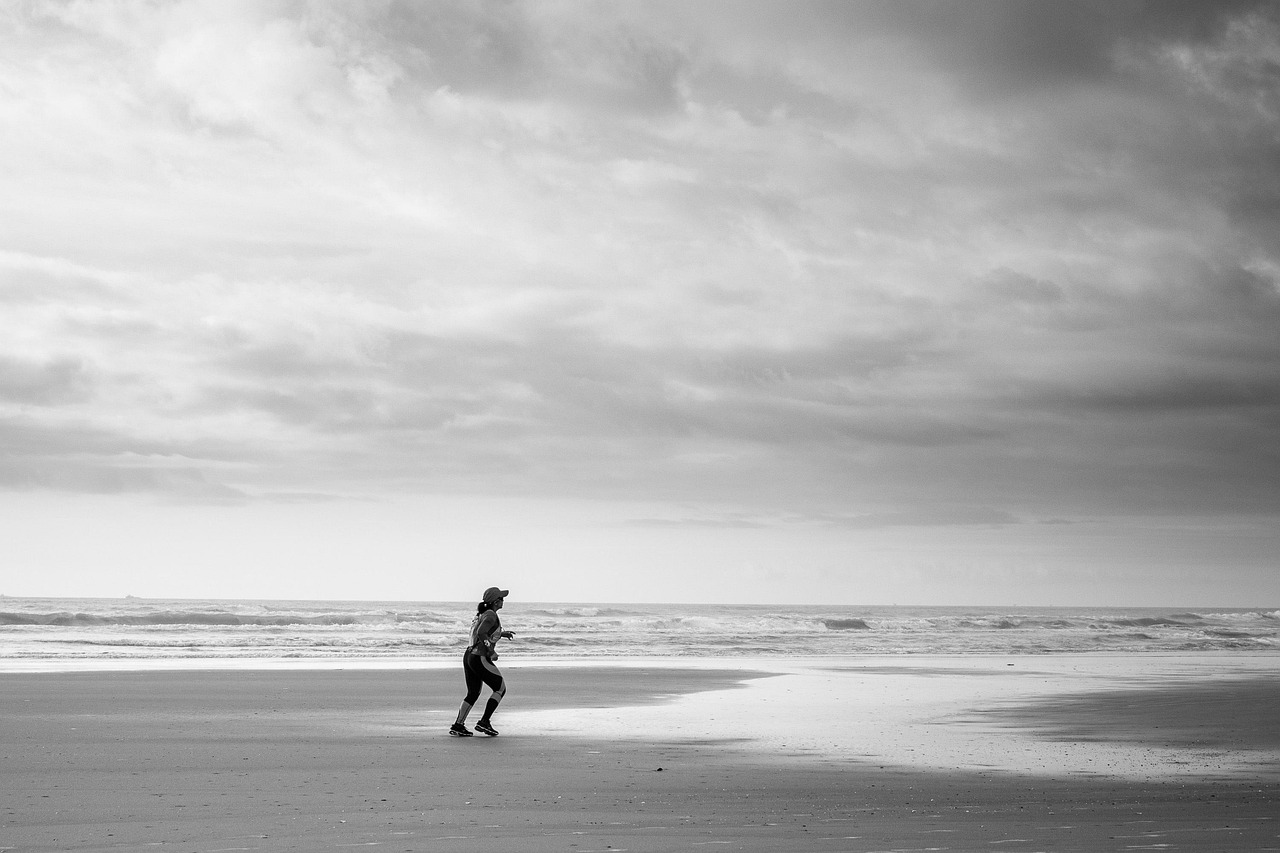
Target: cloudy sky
<point>865,302</point>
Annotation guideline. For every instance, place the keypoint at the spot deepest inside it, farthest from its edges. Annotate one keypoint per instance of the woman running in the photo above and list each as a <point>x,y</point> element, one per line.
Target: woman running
<point>478,663</point>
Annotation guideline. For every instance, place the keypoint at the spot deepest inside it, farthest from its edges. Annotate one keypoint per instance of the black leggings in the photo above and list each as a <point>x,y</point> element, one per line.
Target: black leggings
<point>480,671</point>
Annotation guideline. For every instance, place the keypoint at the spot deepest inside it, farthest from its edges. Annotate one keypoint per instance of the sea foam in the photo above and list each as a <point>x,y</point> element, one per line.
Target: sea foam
<point>125,629</point>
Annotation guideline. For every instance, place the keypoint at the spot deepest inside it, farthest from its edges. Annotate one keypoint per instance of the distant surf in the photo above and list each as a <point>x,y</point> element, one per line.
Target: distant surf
<point>126,629</point>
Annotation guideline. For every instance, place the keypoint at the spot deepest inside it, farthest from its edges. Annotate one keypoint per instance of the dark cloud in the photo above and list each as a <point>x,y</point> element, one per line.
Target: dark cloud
<point>322,406</point>
<point>103,476</point>
<point>575,413</point>
<point>1015,44</point>
<point>764,94</point>
<point>1010,285</point>
<point>796,253</point>
<point>469,47</point>
<point>284,359</point>
<point>1164,393</point>
<point>32,286</point>
<point>48,382</point>
<point>510,51</point>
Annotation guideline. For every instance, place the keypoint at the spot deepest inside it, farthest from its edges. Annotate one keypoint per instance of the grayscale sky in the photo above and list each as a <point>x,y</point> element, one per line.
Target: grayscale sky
<point>847,302</point>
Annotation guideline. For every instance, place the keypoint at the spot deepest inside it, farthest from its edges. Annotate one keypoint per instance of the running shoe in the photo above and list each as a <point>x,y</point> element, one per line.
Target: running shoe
<point>459,730</point>
<point>487,729</point>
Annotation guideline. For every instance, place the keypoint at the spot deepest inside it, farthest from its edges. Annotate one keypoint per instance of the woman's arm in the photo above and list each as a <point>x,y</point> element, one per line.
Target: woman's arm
<point>485,634</point>
<point>496,633</point>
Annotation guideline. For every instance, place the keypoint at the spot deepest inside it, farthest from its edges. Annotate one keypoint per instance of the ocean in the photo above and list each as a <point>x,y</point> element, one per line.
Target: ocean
<point>63,632</point>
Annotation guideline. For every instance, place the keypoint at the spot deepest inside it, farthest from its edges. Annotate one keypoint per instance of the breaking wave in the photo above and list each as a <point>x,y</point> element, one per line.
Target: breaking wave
<point>97,629</point>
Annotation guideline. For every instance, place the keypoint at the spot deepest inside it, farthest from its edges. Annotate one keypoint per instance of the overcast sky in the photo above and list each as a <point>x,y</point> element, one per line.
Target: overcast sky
<point>858,302</point>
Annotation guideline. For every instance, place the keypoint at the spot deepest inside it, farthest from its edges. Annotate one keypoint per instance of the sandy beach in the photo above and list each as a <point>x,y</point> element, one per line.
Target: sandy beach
<point>1014,754</point>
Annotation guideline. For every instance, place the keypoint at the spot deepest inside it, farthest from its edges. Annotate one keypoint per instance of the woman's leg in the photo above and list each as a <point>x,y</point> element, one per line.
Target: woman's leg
<point>473,686</point>
<point>493,677</point>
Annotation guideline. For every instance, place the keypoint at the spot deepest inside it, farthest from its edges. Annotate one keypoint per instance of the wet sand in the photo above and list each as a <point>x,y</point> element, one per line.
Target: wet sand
<point>358,759</point>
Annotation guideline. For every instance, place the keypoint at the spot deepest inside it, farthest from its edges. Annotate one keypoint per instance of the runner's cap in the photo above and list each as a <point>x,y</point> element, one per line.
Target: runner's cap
<point>492,594</point>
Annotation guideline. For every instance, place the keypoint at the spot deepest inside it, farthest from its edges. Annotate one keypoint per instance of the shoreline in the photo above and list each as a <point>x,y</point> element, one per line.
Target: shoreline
<point>1032,715</point>
<point>300,759</point>
<point>1162,715</point>
<point>1265,658</point>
